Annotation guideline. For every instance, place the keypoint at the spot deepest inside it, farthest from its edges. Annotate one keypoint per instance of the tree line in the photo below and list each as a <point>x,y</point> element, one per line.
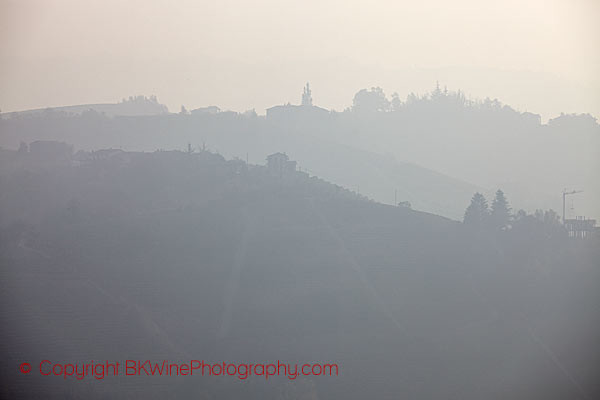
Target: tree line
<point>498,217</point>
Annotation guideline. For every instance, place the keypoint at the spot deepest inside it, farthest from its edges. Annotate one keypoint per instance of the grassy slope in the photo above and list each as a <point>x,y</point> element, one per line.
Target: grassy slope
<point>176,257</point>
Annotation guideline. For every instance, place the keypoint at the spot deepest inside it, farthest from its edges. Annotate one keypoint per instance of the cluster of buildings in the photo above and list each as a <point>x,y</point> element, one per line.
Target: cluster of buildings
<point>581,227</point>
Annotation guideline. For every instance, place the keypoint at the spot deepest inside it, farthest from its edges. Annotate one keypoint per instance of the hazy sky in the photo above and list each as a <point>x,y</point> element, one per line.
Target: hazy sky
<point>538,55</point>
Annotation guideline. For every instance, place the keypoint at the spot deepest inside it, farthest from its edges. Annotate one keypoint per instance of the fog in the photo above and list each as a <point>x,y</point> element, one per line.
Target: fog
<point>539,56</point>
<point>400,197</point>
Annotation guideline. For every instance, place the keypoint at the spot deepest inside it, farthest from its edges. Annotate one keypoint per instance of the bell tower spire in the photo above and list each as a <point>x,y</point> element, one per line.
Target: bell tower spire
<point>307,96</point>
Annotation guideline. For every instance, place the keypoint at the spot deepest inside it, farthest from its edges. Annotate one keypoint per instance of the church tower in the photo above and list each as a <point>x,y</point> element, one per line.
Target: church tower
<point>307,96</point>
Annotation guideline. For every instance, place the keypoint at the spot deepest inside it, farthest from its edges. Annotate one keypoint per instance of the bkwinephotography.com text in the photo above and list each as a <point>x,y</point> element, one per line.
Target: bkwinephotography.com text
<point>103,369</point>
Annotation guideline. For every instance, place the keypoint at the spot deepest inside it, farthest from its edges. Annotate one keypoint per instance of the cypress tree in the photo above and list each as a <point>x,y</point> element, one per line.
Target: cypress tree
<point>500,214</point>
<point>476,215</point>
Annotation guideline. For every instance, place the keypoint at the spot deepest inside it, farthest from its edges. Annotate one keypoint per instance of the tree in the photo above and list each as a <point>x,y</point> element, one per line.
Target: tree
<point>500,214</point>
<point>370,101</point>
<point>477,214</point>
<point>540,224</point>
<point>437,93</point>
<point>396,103</point>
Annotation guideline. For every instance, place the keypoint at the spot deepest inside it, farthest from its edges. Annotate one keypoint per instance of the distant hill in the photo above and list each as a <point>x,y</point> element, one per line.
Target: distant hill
<point>380,177</point>
<point>433,151</point>
<point>133,106</point>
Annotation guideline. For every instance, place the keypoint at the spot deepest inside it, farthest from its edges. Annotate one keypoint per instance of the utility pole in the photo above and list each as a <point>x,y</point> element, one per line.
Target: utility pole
<point>565,194</point>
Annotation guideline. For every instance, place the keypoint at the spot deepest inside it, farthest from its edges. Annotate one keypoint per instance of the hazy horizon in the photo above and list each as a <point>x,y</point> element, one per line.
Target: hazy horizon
<point>539,57</point>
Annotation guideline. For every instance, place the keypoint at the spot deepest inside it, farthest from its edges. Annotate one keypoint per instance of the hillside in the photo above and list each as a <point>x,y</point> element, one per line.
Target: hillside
<point>374,175</point>
<point>133,106</point>
<point>170,255</point>
<point>433,151</point>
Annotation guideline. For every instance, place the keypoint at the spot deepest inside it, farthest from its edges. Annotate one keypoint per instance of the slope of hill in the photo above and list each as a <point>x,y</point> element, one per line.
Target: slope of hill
<point>133,106</point>
<point>178,256</point>
<point>433,150</point>
<point>374,175</point>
